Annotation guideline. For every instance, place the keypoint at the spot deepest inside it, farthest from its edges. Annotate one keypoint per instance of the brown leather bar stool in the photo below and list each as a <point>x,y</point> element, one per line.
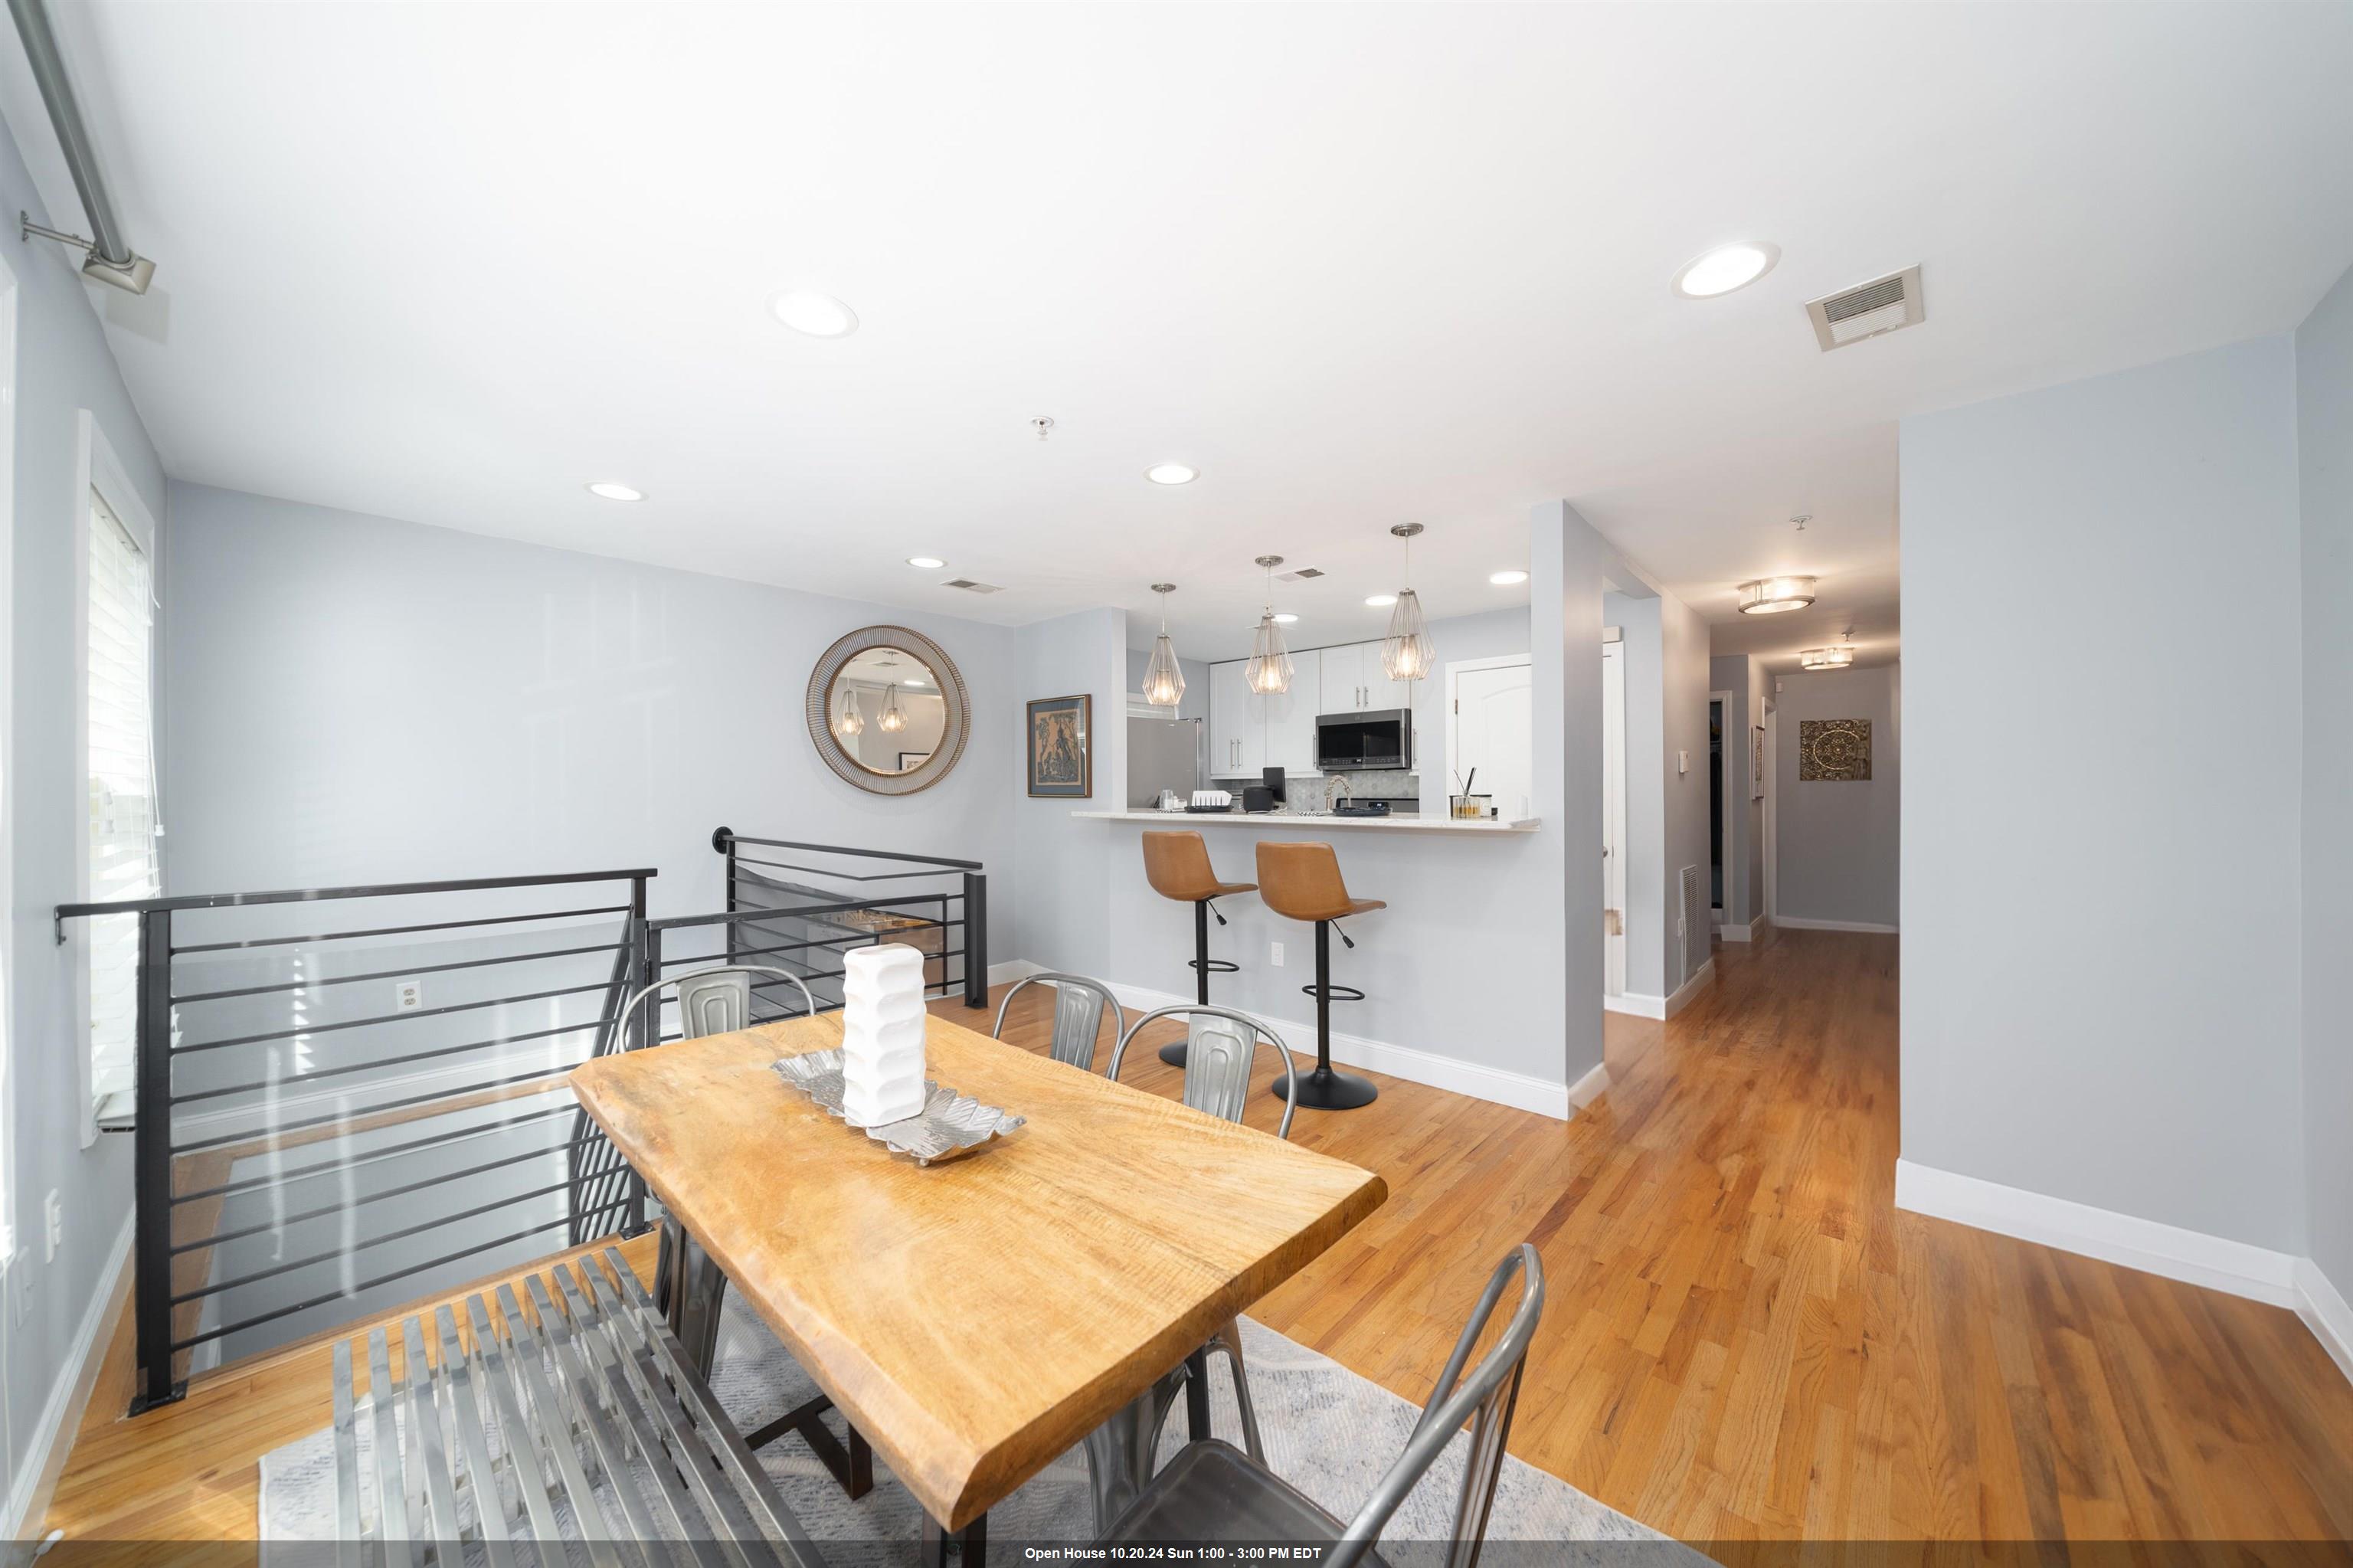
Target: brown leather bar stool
<point>1177,866</point>
<point>1302,882</point>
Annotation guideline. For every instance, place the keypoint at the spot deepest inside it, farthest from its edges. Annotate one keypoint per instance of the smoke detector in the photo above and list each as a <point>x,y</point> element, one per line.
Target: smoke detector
<point>971,586</point>
<point>1867,310</point>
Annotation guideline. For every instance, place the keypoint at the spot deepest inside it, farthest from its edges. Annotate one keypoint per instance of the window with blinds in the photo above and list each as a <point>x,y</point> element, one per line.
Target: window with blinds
<point>123,861</point>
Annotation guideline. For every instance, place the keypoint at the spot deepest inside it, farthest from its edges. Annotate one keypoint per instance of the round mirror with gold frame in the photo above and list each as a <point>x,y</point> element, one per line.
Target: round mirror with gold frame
<point>888,710</point>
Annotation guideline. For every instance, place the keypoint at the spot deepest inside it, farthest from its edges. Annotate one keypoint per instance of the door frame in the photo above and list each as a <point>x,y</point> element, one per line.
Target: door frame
<point>1726,792</point>
<point>1772,810</point>
<point>1500,662</point>
<point>1613,808</point>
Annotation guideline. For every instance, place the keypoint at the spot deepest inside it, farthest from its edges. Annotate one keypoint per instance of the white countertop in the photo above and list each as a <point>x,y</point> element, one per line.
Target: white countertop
<point>1308,819</point>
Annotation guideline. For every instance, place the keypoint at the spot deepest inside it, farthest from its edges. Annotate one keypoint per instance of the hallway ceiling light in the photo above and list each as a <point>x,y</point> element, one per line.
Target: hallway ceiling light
<point>818,315</point>
<point>1171,473</point>
<point>926,563</point>
<point>1826,658</point>
<point>614,490</point>
<point>1269,670</point>
<point>1406,653</point>
<point>1380,600</point>
<point>1772,596</point>
<point>1164,679</point>
<point>894,717</point>
<point>1726,268</point>
<point>1511,578</point>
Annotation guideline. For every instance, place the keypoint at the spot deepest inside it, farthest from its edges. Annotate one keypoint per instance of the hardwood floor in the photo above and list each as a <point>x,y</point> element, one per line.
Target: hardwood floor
<point>1746,1343</point>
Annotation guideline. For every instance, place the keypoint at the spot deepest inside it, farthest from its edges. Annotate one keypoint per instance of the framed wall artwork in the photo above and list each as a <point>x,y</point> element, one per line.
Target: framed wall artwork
<point>1833,751</point>
<point>1061,748</point>
<point>1756,762</point>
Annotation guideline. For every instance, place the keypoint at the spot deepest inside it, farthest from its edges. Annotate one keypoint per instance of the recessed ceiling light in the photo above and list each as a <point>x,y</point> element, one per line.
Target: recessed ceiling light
<point>1171,473</point>
<point>614,490</point>
<point>1726,267</point>
<point>1286,619</point>
<point>927,563</point>
<point>1506,578</point>
<point>819,316</point>
<point>1380,600</point>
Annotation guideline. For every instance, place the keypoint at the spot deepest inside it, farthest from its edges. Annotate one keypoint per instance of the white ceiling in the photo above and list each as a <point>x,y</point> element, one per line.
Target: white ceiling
<point>1358,264</point>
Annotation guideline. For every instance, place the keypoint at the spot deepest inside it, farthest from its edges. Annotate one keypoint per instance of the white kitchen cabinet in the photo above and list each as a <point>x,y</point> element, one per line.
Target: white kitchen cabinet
<point>1353,682</point>
<point>1290,719</point>
<point>1236,741</point>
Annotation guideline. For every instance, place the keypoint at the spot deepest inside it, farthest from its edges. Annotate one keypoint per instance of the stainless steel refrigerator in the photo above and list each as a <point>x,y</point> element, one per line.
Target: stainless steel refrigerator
<point>1163,753</point>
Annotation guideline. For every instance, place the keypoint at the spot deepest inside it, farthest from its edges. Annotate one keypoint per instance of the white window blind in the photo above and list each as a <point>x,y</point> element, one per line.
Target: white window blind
<point>122,861</point>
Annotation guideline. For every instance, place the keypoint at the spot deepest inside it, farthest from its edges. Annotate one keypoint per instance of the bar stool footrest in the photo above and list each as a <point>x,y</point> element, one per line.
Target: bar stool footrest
<point>1215,966</point>
<point>1333,993</point>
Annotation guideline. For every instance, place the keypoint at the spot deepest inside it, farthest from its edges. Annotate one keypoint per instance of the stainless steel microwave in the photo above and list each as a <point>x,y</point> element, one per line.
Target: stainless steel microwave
<point>1380,739</point>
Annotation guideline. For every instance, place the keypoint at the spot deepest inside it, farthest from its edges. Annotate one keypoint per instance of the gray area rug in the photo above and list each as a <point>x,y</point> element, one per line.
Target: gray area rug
<point>1327,1431</point>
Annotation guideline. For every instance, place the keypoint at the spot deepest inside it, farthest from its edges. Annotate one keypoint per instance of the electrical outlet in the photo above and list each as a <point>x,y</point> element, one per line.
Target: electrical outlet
<point>53,1227</point>
<point>1274,954</point>
<point>407,995</point>
<point>1683,761</point>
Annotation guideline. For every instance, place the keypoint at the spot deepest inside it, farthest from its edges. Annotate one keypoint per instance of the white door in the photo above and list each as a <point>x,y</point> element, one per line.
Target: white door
<point>1490,729</point>
<point>1613,819</point>
<point>1233,720</point>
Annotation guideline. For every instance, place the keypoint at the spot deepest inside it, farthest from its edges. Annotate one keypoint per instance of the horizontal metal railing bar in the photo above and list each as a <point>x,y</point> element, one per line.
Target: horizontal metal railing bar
<point>862,853</point>
<point>390,1150</point>
<point>399,973</point>
<point>312,895</point>
<point>554,1071</point>
<point>342,1205</point>
<point>351,1249</point>
<point>374,1062</point>
<point>400,930</point>
<point>835,874</point>
<point>353,1289</point>
<point>388,1018</point>
<point>794,947</point>
<point>725,917</point>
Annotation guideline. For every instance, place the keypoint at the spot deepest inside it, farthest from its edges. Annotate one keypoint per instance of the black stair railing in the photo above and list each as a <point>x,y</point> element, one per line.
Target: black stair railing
<point>333,1116</point>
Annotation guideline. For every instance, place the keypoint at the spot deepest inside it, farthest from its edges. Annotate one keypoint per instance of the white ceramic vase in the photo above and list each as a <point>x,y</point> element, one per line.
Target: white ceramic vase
<point>881,1034</point>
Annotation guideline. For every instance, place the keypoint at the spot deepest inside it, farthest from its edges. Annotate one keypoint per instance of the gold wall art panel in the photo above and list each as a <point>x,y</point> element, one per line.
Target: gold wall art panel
<point>1833,751</point>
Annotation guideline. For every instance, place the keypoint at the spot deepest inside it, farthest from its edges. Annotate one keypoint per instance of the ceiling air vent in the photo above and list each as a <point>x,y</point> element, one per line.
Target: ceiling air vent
<point>1867,310</point>
<point>1303,574</point>
<point>971,586</point>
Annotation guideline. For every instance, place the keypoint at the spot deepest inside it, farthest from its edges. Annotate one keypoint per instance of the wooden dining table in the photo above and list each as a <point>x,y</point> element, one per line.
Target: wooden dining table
<point>975,1318</point>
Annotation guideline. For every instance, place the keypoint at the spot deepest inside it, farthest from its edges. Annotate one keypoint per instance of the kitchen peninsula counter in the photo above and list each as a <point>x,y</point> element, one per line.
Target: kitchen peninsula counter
<point>1311,822</point>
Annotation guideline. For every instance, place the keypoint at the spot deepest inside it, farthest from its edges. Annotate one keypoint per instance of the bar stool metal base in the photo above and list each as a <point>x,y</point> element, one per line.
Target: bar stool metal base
<point>1324,1089</point>
<point>1328,1089</point>
<point>1203,967</point>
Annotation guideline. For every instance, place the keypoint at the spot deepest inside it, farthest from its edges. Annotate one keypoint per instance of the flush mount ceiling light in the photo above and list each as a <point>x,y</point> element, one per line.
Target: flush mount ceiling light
<point>1380,600</point>
<point>1773,596</point>
<point>1507,578</point>
<point>614,490</point>
<point>1726,268</point>
<point>1269,670</point>
<point>1837,658</point>
<point>1164,679</point>
<point>818,315</point>
<point>927,563</point>
<point>1406,653</point>
<point>1171,473</point>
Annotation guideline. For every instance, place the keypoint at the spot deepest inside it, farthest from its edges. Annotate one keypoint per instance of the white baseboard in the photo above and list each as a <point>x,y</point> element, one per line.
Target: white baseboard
<point>1739,931</point>
<point>1799,923</point>
<point>2192,1256</point>
<point>43,1459</point>
<point>1688,992</point>
<point>2323,1311</point>
<point>1590,1087</point>
<point>1013,970</point>
<point>1496,1085</point>
<point>1635,1004</point>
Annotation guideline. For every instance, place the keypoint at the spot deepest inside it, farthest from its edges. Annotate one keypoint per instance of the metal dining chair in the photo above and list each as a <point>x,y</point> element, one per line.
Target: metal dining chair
<point>1220,1049</point>
<point>1212,1492</point>
<point>710,1002</point>
<point>1078,1004</point>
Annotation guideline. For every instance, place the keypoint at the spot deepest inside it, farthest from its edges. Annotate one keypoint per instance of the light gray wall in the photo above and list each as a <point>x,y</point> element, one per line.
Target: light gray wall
<point>1840,843</point>
<point>360,700</point>
<point>1744,839</point>
<point>2324,352</point>
<point>1066,869</point>
<point>2102,905</point>
<point>63,367</point>
<point>1665,647</point>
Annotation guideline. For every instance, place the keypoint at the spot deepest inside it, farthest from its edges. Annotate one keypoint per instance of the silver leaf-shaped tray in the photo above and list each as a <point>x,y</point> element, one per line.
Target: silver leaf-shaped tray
<point>949,1124</point>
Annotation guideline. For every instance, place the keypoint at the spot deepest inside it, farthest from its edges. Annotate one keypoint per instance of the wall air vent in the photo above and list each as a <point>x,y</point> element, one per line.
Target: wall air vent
<point>971,586</point>
<point>1868,310</point>
<point>1303,574</point>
